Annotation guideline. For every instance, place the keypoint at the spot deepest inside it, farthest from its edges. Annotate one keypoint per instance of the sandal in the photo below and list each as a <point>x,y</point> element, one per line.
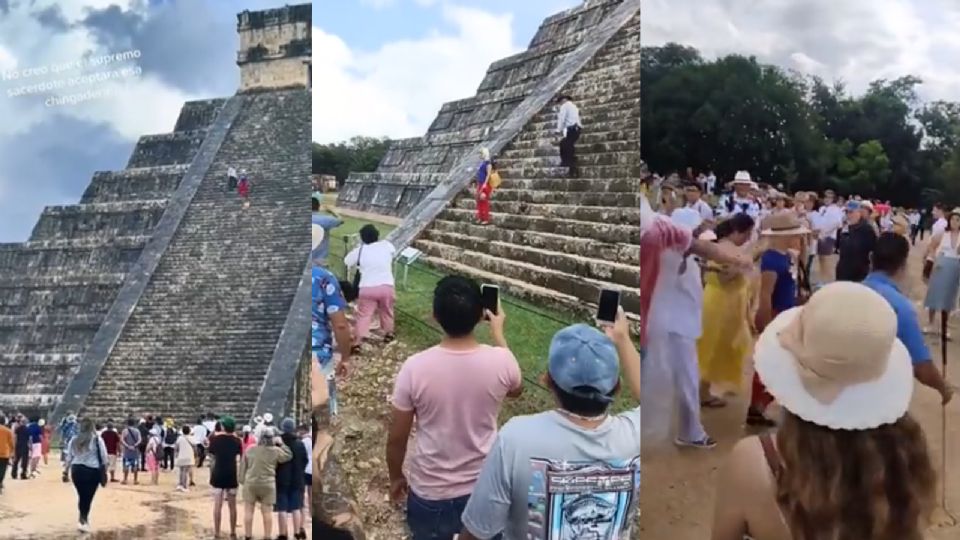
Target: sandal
<point>713,402</point>
<point>389,338</point>
<point>355,350</point>
<point>705,443</point>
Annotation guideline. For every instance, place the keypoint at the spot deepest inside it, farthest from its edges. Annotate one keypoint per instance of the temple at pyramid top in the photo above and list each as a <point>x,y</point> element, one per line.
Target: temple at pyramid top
<point>274,48</point>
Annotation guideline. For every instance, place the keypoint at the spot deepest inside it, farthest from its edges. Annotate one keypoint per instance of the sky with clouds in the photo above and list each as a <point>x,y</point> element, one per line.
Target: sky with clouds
<point>48,154</point>
<point>855,41</point>
<point>389,74</point>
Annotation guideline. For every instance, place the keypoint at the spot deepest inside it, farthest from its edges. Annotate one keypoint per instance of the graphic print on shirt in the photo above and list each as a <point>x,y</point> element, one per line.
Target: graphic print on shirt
<point>582,500</point>
<point>327,300</point>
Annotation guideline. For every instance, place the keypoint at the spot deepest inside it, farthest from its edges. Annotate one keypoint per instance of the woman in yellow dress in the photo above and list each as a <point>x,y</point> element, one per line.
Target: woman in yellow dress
<point>726,338</point>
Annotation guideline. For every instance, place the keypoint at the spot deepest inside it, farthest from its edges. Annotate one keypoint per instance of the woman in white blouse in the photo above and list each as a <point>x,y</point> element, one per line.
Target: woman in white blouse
<point>374,260</point>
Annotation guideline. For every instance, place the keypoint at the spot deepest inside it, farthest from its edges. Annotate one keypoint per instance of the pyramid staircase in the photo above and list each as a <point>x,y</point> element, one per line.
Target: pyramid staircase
<point>57,287</point>
<point>205,329</point>
<point>555,240</point>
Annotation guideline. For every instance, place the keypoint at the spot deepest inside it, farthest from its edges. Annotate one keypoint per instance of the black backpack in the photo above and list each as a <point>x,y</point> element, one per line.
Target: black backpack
<point>170,437</point>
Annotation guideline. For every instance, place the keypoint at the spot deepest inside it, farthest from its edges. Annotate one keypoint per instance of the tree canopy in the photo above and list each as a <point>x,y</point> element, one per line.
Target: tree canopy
<point>735,113</point>
<point>359,154</point>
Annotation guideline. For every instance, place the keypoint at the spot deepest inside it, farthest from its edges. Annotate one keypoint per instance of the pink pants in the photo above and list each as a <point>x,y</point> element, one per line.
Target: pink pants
<point>379,300</point>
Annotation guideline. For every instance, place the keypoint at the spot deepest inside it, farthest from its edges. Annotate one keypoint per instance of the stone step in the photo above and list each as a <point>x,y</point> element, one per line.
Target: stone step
<point>586,159</point>
<point>564,227</point>
<point>516,288</point>
<point>533,148</point>
<point>80,320</point>
<point>142,183</point>
<point>587,137</point>
<point>598,214</point>
<point>508,193</point>
<point>570,262</point>
<point>628,254</point>
<point>578,185</point>
<point>198,114</point>
<point>51,282</point>
<point>166,149</point>
<point>586,171</point>
<point>584,289</point>
<point>66,259</point>
<point>98,220</point>
<point>546,129</point>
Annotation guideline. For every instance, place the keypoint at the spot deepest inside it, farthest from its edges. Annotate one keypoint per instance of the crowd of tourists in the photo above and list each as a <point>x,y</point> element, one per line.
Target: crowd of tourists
<point>812,290</point>
<point>272,463</point>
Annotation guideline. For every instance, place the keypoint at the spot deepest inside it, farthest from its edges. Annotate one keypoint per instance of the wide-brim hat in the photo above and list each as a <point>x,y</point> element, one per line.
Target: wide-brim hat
<point>742,177</point>
<point>783,224</point>
<point>837,362</point>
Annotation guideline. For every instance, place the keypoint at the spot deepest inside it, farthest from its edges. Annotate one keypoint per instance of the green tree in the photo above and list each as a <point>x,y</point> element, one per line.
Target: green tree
<point>359,154</point>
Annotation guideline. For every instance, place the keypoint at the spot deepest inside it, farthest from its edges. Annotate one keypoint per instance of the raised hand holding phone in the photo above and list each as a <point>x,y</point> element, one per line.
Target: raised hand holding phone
<point>607,307</point>
<point>493,312</point>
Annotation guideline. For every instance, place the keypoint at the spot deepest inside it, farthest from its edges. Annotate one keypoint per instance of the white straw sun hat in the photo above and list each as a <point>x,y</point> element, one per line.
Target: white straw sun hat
<point>837,362</point>
<point>742,177</point>
<point>317,234</point>
<point>783,224</point>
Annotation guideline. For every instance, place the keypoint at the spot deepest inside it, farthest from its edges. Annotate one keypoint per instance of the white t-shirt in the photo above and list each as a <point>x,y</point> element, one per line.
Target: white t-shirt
<point>939,227</point>
<point>376,263</point>
<point>308,444</point>
<point>706,213</point>
<point>199,434</point>
<point>677,303</point>
<point>829,221</point>
<point>947,247</point>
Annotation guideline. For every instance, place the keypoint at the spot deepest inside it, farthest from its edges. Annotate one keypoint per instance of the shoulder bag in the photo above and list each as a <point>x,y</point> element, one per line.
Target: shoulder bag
<point>356,274</point>
<point>103,467</point>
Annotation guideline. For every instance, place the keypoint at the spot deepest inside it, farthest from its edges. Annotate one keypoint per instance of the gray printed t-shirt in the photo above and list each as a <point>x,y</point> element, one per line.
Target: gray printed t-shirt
<point>508,495</point>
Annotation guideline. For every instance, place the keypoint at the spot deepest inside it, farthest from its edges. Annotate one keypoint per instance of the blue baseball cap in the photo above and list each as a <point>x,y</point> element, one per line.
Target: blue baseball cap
<point>581,355</point>
<point>853,205</point>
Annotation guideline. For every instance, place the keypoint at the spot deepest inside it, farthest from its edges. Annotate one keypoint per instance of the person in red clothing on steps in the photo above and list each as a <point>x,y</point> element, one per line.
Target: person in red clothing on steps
<point>243,188</point>
<point>483,187</point>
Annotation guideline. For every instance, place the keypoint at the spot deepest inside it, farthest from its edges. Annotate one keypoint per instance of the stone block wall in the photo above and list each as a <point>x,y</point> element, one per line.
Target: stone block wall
<point>462,125</point>
<point>57,287</point>
<point>203,332</point>
<point>275,47</point>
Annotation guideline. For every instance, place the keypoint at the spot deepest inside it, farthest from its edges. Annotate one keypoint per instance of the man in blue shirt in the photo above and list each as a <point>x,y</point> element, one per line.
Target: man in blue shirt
<point>329,320</point>
<point>327,223</point>
<point>889,266</point>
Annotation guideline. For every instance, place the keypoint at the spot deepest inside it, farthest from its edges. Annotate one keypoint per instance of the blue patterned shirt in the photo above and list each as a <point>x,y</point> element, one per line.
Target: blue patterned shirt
<point>327,299</point>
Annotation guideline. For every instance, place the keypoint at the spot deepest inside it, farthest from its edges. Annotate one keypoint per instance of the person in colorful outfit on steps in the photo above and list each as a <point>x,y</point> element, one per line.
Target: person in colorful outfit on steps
<point>483,187</point>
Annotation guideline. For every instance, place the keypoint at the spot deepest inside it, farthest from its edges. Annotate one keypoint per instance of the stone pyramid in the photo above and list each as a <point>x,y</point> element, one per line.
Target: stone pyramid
<point>556,241</point>
<point>159,293</point>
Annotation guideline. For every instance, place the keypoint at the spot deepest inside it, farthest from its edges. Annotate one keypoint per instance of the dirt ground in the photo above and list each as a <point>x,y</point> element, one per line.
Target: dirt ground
<point>677,495</point>
<point>46,508</point>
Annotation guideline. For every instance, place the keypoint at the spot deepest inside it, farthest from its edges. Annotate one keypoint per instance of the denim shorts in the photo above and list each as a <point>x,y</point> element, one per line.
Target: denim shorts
<point>288,500</point>
<point>434,520</point>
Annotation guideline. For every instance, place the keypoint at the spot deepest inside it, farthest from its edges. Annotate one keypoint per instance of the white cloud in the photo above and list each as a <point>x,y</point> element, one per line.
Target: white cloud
<point>397,90</point>
<point>136,106</point>
<point>856,41</point>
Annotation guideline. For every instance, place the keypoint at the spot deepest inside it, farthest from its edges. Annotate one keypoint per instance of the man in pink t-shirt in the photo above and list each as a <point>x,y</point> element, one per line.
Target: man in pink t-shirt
<point>454,391</point>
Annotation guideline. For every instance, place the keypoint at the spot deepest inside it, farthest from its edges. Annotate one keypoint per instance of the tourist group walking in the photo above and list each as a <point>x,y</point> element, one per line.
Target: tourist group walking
<point>811,290</point>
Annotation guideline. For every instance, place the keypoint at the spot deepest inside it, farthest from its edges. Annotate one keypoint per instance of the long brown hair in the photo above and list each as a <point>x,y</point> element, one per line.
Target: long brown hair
<point>876,484</point>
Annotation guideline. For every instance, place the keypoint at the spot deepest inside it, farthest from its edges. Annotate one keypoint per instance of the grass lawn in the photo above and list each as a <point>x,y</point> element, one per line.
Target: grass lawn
<point>529,328</point>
